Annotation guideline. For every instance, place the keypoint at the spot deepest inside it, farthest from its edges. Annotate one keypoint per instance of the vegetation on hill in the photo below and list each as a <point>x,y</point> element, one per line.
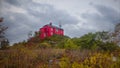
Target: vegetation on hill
<point>92,50</point>
<point>90,41</point>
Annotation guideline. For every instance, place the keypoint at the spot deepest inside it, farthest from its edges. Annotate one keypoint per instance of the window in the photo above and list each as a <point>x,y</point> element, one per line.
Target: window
<point>51,29</point>
<point>56,30</point>
<point>51,33</point>
<point>44,34</point>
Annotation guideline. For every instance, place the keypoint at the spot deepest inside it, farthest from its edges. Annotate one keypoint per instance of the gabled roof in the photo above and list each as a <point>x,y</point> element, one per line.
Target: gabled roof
<point>53,26</point>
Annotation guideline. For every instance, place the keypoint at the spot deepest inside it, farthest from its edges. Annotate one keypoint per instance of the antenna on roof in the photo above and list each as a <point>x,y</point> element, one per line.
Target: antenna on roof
<point>60,24</point>
<point>50,21</point>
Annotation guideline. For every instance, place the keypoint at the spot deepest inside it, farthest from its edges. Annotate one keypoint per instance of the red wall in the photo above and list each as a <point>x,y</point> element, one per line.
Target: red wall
<point>48,31</point>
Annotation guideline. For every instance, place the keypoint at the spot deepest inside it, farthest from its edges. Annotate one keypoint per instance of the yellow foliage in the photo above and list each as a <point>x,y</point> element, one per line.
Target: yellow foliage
<point>64,62</point>
<point>22,57</point>
<point>76,65</point>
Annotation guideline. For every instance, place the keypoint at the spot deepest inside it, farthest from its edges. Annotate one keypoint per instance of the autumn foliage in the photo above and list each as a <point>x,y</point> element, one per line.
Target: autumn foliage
<point>61,52</point>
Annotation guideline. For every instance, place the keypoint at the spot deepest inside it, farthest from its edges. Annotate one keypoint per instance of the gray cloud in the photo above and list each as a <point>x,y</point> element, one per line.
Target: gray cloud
<point>105,19</point>
<point>47,12</point>
<point>109,13</point>
<point>77,31</point>
<point>44,12</point>
<point>13,2</point>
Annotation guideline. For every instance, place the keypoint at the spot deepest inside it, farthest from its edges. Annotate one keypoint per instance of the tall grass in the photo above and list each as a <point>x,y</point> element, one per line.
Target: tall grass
<point>22,57</point>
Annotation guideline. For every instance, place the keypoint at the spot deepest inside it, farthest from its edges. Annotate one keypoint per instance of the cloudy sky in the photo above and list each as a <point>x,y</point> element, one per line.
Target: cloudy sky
<point>77,17</point>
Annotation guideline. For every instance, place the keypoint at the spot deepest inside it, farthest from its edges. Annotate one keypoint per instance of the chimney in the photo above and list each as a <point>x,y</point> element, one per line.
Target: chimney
<point>51,23</point>
<point>60,26</point>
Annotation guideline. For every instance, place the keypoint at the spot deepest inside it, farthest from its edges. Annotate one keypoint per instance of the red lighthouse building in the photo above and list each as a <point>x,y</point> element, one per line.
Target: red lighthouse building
<point>49,30</point>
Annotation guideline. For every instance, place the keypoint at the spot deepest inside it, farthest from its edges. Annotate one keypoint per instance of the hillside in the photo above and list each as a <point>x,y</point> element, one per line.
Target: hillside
<point>88,51</point>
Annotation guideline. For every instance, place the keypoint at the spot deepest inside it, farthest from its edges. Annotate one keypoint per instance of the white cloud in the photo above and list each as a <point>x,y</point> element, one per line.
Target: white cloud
<point>16,10</point>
